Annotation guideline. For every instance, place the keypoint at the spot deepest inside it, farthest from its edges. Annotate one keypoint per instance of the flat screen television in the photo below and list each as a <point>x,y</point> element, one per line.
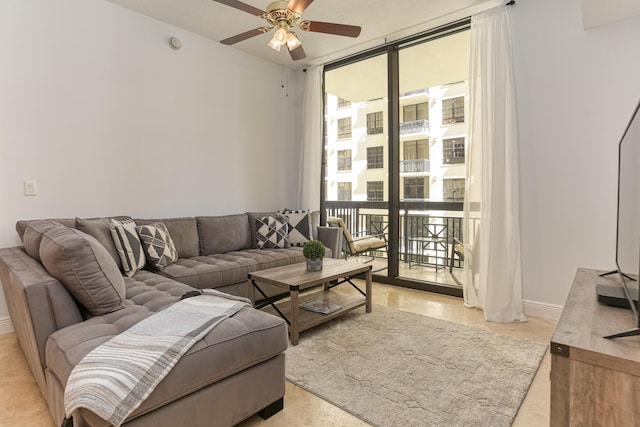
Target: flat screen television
<point>628,227</point>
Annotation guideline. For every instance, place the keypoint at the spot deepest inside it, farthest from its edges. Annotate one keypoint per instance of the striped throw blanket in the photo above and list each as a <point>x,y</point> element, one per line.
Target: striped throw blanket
<point>117,376</point>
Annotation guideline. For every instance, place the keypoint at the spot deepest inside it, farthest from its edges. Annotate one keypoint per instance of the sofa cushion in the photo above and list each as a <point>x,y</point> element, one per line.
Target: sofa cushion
<point>272,232</point>
<point>243,340</point>
<point>158,245</point>
<point>217,270</point>
<point>99,228</point>
<point>84,267</point>
<point>127,243</point>
<point>32,236</point>
<point>220,234</point>
<point>183,231</point>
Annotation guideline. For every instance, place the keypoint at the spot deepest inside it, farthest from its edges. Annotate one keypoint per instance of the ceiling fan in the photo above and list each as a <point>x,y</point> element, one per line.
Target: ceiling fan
<point>283,16</point>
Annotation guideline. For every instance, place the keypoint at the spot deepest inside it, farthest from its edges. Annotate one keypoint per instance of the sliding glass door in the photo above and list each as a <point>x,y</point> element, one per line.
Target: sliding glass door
<point>395,141</point>
<point>356,187</point>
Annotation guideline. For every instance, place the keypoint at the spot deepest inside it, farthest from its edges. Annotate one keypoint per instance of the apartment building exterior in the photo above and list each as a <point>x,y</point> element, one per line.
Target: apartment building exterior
<point>433,138</point>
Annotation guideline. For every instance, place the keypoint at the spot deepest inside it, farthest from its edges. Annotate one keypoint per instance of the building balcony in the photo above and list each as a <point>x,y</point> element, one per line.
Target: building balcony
<point>414,126</point>
<point>415,93</point>
<point>422,166</point>
<point>369,218</point>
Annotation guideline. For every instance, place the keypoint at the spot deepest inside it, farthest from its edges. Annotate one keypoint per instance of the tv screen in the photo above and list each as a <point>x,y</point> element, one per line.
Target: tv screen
<point>628,228</point>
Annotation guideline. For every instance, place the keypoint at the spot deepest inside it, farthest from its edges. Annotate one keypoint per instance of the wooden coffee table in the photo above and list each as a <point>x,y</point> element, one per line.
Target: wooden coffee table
<point>295,278</point>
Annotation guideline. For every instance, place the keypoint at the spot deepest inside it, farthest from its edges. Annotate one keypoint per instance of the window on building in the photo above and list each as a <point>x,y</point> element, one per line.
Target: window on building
<point>453,110</point>
<point>374,123</point>
<point>375,191</point>
<point>414,112</point>
<point>344,160</point>
<point>416,150</point>
<point>414,188</point>
<point>375,157</point>
<point>453,190</point>
<point>344,128</point>
<point>344,191</point>
<point>453,150</point>
<point>343,103</point>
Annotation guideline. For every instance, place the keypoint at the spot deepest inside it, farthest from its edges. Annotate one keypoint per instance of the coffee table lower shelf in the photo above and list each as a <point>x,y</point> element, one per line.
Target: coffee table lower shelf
<point>308,319</point>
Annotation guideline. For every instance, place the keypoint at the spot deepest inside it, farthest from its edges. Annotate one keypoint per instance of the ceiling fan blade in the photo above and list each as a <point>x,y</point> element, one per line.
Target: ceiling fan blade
<point>331,28</point>
<point>298,53</point>
<point>243,36</point>
<point>242,6</point>
<point>299,5</point>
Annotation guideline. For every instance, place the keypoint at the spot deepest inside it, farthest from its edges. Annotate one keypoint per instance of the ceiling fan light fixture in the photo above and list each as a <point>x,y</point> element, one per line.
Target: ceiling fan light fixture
<point>275,45</point>
<point>278,39</point>
<point>292,41</point>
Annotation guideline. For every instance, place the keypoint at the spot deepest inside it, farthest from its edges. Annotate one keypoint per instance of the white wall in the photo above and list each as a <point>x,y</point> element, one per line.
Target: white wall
<point>97,108</point>
<point>576,91</point>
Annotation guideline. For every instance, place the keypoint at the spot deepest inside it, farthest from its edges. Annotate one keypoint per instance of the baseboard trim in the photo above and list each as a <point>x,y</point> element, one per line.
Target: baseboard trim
<point>6,326</point>
<point>540,309</point>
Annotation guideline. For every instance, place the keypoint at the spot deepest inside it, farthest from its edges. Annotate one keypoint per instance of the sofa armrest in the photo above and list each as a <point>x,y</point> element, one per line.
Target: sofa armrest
<point>38,305</point>
<point>331,237</point>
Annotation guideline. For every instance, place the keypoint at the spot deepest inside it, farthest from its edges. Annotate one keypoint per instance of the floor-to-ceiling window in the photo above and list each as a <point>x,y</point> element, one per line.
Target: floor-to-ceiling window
<point>396,117</point>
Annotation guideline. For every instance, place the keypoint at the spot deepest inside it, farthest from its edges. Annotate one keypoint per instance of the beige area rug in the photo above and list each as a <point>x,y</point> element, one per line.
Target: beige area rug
<point>393,368</point>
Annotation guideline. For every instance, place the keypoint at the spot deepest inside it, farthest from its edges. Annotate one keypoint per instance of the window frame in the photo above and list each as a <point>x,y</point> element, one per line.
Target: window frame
<point>414,107</point>
<point>343,191</point>
<point>375,123</point>
<point>451,155</point>
<point>454,116</point>
<point>375,160</point>
<point>344,128</point>
<point>416,180</point>
<point>344,160</point>
<point>453,181</point>
<point>375,191</point>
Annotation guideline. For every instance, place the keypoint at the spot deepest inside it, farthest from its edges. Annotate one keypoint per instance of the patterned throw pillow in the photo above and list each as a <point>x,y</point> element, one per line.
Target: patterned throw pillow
<point>300,228</point>
<point>158,245</point>
<point>272,232</point>
<point>128,245</point>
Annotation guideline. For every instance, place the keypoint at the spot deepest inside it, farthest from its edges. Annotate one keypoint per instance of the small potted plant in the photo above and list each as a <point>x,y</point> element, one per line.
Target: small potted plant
<point>313,251</point>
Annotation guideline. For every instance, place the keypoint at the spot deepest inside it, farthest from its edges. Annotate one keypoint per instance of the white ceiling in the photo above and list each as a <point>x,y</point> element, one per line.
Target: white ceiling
<point>596,13</point>
<point>381,20</point>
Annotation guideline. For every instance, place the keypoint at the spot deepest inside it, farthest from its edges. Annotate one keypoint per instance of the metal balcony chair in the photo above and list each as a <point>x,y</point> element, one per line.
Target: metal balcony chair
<point>359,244</point>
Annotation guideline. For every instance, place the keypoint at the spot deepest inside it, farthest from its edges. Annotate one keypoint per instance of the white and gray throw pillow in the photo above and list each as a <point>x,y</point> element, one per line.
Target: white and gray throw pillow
<point>299,229</point>
<point>272,232</point>
<point>158,245</point>
<point>128,245</point>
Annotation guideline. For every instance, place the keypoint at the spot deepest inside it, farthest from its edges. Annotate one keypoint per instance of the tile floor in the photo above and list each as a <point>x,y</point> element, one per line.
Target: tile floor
<point>22,405</point>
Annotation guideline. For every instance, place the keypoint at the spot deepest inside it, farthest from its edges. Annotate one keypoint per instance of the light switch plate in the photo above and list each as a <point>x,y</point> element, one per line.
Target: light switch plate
<point>30,188</point>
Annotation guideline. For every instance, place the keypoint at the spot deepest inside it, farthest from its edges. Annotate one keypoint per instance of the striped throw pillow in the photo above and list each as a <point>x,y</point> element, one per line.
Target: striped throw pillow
<point>128,245</point>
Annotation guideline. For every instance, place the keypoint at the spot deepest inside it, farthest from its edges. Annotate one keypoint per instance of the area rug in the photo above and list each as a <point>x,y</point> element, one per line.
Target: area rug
<point>394,368</point>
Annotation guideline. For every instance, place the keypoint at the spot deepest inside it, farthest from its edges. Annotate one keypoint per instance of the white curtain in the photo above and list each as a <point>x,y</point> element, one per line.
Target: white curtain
<point>492,275</point>
<point>311,150</point>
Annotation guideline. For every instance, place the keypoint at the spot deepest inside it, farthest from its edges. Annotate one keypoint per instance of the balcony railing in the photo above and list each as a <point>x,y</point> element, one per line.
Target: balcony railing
<point>415,166</point>
<point>414,126</point>
<point>363,218</point>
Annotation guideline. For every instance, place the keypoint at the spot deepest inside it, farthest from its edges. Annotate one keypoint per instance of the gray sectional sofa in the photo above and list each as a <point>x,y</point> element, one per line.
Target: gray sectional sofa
<point>235,371</point>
